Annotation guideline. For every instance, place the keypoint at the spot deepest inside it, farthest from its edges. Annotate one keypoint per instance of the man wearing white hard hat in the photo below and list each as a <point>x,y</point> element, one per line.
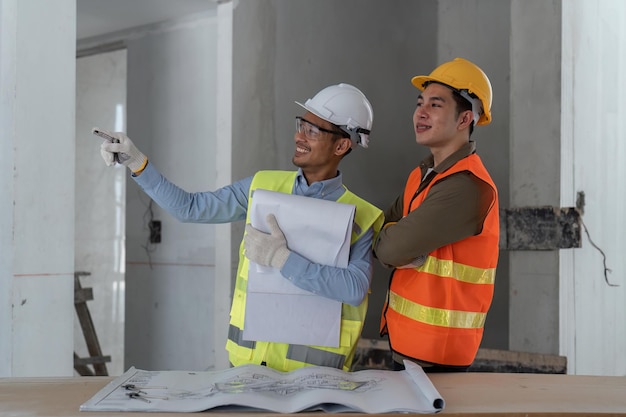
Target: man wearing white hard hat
<point>335,121</point>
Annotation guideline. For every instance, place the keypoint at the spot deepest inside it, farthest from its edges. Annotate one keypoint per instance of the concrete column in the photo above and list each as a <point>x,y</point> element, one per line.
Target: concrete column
<point>535,168</point>
<point>462,32</point>
<point>37,112</point>
<point>224,265</point>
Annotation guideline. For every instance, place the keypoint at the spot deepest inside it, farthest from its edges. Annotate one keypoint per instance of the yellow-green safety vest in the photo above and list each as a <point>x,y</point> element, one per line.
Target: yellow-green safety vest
<point>283,356</point>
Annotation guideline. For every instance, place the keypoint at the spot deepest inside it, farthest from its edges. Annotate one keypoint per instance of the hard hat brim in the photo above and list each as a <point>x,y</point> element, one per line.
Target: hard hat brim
<point>419,81</point>
<point>309,109</point>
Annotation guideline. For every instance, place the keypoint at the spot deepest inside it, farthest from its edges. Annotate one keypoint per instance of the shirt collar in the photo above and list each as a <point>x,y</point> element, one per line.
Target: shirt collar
<point>465,151</point>
<point>318,188</point>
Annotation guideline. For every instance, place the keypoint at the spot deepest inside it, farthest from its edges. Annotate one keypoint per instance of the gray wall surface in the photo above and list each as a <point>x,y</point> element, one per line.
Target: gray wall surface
<point>100,220</point>
<point>37,93</point>
<point>171,114</point>
<point>592,279</point>
<point>463,31</point>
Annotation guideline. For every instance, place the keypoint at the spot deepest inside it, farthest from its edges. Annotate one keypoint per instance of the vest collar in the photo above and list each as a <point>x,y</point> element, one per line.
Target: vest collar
<point>465,151</point>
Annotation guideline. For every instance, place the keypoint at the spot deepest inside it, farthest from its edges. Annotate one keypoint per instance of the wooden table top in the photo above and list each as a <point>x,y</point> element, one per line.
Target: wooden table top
<point>465,394</point>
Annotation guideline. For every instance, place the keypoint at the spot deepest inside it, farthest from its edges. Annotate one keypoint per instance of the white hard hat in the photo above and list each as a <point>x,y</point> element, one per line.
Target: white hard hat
<point>346,107</point>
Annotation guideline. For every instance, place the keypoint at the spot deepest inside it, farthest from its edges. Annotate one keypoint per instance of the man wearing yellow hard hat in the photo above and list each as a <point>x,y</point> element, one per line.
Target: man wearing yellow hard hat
<point>441,234</point>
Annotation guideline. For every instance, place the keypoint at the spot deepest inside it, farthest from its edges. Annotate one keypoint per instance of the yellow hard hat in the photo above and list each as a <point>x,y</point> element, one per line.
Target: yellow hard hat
<point>462,75</point>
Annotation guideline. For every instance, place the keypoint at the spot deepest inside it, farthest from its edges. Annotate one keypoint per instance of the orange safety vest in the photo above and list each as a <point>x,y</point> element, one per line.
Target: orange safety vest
<point>436,313</point>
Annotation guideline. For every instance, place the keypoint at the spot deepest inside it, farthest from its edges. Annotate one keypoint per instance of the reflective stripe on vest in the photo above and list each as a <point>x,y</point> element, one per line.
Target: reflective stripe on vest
<point>459,272</point>
<point>305,354</point>
<point>313,356</point>
<point>435,316</point>
<point>236,335</point>
<point>286,357</point>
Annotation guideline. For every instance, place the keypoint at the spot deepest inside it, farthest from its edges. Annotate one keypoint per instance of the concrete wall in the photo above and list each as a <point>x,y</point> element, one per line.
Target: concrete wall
<point>171,118</point>
<point>593,278</point>
<point>37,87</point>
<point>7,145</point>
<point>100,221</point>
<point>485,45</point>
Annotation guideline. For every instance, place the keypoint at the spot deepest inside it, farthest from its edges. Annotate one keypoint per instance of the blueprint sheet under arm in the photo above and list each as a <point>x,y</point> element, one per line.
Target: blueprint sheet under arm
<point>277,310</point>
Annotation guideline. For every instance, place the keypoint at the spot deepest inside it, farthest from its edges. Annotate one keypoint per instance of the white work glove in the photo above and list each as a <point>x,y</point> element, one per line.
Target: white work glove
<point>127,152</point>
<point>266,249</point>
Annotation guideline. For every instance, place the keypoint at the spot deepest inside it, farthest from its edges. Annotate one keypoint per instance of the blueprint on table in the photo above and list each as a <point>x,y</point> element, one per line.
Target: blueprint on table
<point>258,388</point>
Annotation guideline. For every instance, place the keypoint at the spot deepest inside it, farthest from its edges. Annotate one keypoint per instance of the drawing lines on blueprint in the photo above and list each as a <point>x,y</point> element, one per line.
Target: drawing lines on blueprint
<point>255,382</point>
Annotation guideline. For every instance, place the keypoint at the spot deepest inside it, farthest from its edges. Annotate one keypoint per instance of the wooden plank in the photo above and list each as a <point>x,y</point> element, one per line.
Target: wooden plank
<point>375,354</point>
<point>82,369</point>
<point>89,331</point>
<point>490,360</point>
<point>540,228</point>
<point>91,360</point>
<point>83,295</point>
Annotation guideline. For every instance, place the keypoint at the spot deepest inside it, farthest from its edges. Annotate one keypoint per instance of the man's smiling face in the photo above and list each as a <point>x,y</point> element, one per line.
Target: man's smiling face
<point>312,153</point>
<point>435,119</point>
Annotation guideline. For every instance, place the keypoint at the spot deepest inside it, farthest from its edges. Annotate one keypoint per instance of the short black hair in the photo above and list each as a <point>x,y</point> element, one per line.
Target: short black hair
<point>462,104</point>
<point>337,136</point>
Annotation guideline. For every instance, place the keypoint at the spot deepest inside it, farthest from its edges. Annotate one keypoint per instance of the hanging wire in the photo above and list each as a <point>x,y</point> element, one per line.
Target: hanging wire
<point>606,269</point>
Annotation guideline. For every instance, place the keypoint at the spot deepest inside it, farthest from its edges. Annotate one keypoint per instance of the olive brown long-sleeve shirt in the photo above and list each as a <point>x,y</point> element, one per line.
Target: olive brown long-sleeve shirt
<point>454,209</point>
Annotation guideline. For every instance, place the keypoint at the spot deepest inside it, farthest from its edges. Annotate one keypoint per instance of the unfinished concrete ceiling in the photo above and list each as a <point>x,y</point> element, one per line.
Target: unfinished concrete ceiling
<point>99,17</point>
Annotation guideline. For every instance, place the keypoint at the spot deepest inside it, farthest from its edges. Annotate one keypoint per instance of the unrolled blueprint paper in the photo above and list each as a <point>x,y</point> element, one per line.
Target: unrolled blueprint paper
<point>248,388</point>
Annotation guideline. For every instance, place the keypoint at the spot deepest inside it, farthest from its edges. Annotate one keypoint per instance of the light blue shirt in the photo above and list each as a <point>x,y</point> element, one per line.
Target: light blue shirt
<point>230,203</point>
